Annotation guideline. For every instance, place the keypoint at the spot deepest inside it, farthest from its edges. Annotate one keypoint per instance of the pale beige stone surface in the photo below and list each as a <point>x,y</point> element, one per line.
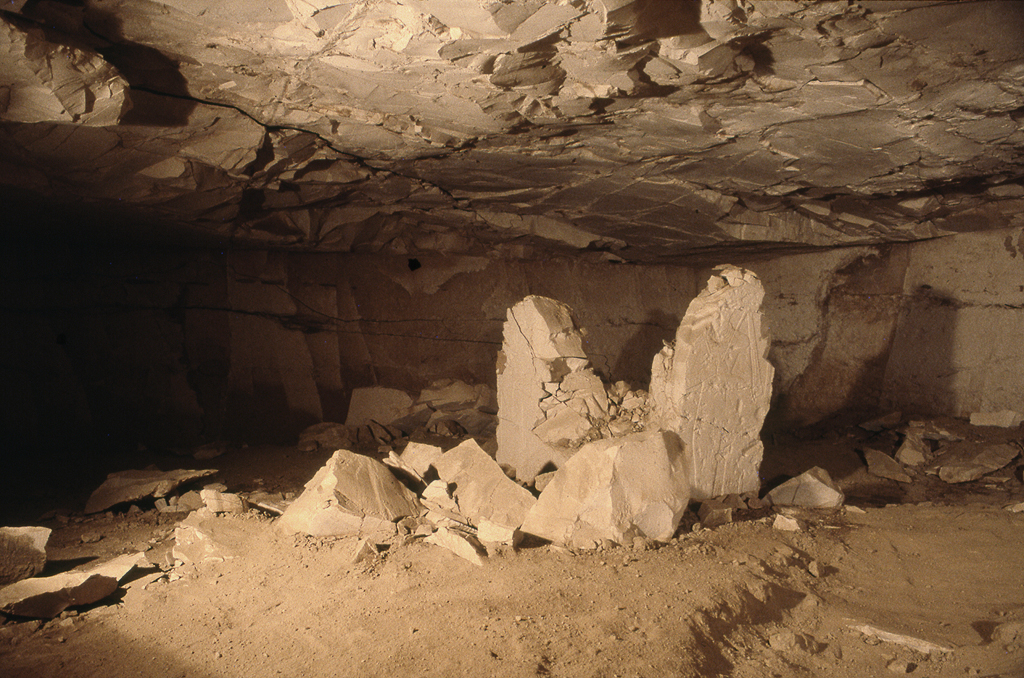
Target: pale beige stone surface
<point>22,552</point>
<point>46,597</point>
<point>617,489</point>
<point>713,385</point>
<point>458,543</point>
<point>377,403</point>
<point>350,494</point>
<point>884,466</point>
<point>813,488</point>
<point>204,538</point>
<point>127,486</point>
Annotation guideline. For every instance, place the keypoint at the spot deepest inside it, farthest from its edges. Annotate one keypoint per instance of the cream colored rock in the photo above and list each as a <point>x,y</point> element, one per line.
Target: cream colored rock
<point>482,490</point>
<point>350,494</point>
<point>458,543</point>
<point>22,552</point>
<point>1002,418</point>
<point>205,538</point>
<point>223,502</point>
<point>914,450</point>
<point>378,404</point>
<point>46,597</point>
<point>542,347</point>
<point>965,462</point>
<point>884,466</point>
<point>617,489</point>
<point>127,486</point>
<point>713,385</point>
<point>420,457</point>
<point>811,489</point>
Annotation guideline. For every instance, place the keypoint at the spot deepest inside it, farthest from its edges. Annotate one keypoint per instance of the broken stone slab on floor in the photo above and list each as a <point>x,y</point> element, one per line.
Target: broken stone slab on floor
<point>916,644</point>
<point>462,545</point>
<point>541,346</point>
<point>482,490</point>
<point>1002,418</point>
<point>350,494</point>
<point>420,457</point>
<point>813,488</point>
<point>964,462</point>
<point>271,502</point>
<point>714,513</point>
<point>713,385</point>
<point>913,451</point>
<point>327,436</point>
<point>125,487</point>
<point>377,403</point>
<point>47,597</point>
<point>883,466</point>
<point>204,538</point>
<point>22,552</point>
<point>616,489</point>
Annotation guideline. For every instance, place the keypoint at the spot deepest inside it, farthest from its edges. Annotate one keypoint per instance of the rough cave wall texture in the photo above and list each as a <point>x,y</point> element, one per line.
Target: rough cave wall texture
<point>174,347</point>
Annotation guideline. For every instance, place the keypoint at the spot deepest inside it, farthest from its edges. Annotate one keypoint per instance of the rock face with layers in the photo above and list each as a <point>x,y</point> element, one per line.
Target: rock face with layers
<point>547,392</point>
<point>714,384</point>
<point>617,489</point>
<point>350,494</point>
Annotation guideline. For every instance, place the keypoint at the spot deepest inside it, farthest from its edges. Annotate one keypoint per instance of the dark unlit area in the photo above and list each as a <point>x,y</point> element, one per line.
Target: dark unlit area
<point>449,337</point>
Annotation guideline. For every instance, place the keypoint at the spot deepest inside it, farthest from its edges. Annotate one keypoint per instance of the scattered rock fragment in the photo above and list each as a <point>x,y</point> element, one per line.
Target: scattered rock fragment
<point>922,646</point>
<point>714,513</point>
<point>22,552</point>
<point>811,489</point>
<point>222,502</point>
<point>882,465</point>
<point>964,462</point>
<point>482,490</point>
<point>914,450</point>
<point>786,523</point>
<point>1002,418</point>
<point>350,494</point>
<point>617,489</point>
<point>47,597</point>
<point>458,543</point>
<point>364,550</point>
<point>202,538</point>
<point>125,487</point>
<point>420,457</point>
<point>713,385</point>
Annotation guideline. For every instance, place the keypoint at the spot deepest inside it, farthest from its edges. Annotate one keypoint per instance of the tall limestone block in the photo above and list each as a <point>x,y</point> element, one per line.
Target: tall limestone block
<point>548,395</point>
<point>713,385</point>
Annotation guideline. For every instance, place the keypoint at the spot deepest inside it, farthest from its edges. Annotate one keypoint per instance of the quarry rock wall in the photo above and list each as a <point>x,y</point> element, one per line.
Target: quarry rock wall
<point>178,346</point>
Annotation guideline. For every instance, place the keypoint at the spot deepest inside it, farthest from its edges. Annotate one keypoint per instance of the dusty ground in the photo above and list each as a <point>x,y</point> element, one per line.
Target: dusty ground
<point>935,562</point>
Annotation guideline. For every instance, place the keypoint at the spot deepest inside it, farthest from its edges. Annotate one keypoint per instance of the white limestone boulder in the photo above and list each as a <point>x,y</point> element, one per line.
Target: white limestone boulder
<point>483,492</point>
<point>713,385</point>
<point>546,388</point>
<point>813,488</point>
<point>350,495</point>
<point>617,489</point>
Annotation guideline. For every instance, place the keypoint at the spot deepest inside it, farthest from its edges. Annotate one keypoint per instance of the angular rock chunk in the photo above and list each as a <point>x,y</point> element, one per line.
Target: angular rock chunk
<point>204,538</point>
<point>713,385</point>
<point>617,489</point>
<point>419,457</point>
<point>222,502</point>
<point>46,597</point>
<point>129,486</point>
<point>884,466</point>
<point>546,388</point>
<point>22,552</point>
<point>482,490</point>
<point>914,450</point>
<point>812,489</point>
<point>458,543</point>
<point>350,494</point>
<point>376,403</point>
<point>964,462</point>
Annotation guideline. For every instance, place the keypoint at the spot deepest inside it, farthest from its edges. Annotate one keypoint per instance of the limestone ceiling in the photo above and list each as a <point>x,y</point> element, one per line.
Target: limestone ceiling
<point>638,130</point>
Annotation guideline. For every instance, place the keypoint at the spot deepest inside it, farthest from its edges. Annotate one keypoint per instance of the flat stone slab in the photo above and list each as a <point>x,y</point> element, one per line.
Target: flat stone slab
<point>964,462</point>
<point>47,597</point>
<point>1002,418</point>
<point>128,486</point>
<point>617,489</point>
<point>350,495</point>
<point>459,544</point>
<point>22,552</point>
<point>377,403</point>
<point>884,466</point>
<point>811,489</point>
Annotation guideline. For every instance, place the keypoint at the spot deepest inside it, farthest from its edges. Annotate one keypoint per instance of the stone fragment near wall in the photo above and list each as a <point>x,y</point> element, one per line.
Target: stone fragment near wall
<point>350,494</point>
<point>913,451</point>
<point>546,388</point>
<point>883,466</point>
<point>222,502</point>
<point>482,490</point>
<point>964,462</point>
<point>714,513</point>
<point>617,489</point>
<point>440,505</point>
<point>204,538</point>
<point>420,457</point>
<point>1002,418</point>
<point>811,489</point>
<point>22,552</point>
<point>47,597</point>
<point>128,486</point>
<point>713,385</point>
<point>377,404</point>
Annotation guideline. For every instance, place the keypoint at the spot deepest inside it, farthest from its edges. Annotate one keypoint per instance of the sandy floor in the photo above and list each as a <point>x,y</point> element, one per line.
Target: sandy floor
<point>929,561</point>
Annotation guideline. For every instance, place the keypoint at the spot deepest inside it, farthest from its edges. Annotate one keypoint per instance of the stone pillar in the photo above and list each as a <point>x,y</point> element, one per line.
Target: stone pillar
<point>713,385</point>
